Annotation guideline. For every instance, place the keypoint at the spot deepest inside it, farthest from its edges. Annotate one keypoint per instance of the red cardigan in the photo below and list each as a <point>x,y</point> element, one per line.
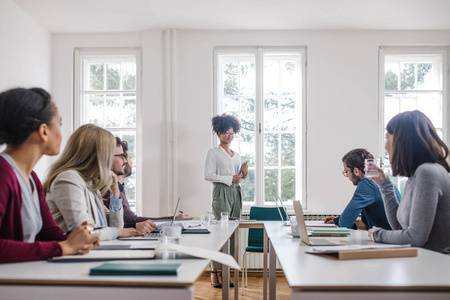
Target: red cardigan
<point>12,246</point>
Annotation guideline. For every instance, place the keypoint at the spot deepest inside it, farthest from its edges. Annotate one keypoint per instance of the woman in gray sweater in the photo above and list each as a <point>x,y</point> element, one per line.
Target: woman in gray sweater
<point>422,219</point>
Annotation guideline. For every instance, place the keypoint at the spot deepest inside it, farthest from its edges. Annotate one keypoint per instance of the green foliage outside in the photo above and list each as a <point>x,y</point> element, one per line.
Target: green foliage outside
<point>407,76</point>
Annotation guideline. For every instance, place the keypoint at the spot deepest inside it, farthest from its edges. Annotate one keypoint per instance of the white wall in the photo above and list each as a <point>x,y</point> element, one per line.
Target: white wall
<point>25,56</point>
<point>342,103</point>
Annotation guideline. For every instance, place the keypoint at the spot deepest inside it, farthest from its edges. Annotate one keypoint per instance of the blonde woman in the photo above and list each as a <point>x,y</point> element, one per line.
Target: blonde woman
<point>81,177</point>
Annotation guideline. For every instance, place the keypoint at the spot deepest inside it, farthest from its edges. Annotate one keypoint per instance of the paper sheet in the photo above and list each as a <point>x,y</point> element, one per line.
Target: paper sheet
<point>217,256</point>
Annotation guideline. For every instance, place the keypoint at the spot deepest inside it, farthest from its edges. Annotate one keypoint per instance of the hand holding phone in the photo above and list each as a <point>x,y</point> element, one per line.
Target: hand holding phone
<point>244,168</point>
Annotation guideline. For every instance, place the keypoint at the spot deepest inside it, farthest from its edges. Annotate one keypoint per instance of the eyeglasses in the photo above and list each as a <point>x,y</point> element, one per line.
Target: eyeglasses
<point>230,133</point>
<point>123,156</point>
<point>345,173</point>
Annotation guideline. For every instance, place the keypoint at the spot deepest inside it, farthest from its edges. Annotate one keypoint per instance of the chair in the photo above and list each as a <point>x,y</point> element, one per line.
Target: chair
<point>256,236</point>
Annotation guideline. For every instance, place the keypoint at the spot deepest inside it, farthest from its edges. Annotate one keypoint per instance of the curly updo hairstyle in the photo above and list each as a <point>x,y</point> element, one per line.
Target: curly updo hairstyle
<point>221,123</point>
<point>22,111</point>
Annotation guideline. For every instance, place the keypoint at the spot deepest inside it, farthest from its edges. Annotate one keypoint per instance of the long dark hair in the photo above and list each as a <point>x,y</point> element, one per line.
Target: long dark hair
<point>22,111</point>
<point>415,142</point>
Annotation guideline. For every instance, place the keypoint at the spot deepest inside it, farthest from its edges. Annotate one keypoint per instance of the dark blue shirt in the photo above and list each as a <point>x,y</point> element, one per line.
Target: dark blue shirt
<point>368,202</point>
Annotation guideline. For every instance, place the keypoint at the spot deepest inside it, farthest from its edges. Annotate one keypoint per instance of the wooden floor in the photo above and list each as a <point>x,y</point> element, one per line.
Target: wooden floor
<point>204,290</point>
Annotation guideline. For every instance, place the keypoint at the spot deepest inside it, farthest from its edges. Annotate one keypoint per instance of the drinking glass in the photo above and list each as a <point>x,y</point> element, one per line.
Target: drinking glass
<point>206,220</point>
<point>171,234</point>
<point>369,164</point>
<point>224,217</point>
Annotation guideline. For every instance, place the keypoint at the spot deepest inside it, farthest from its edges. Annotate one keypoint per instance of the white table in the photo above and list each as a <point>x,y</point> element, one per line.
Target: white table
<point>45,280</point>
<point>426,276</point>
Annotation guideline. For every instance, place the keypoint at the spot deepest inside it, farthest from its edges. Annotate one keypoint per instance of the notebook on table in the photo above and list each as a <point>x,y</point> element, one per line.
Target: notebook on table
<point>133,269</point>
<point>304,233</point>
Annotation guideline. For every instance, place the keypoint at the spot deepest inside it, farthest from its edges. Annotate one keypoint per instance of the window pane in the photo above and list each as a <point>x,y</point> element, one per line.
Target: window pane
<point>271,77</point>
<point>248,187</point>
<point>95,108</point>
<point>113,76</point>
<point>130,187</point>
<point>96,77</point>
<point>271,118</point>
<point>431,106</point>
<point>129,110</point>
<point>290,77</point>
<point>230,80</point>
<point>270,149</point>
<point>113,110</point>
<point>129,76</point>
<point>230,106</point>
<point>247,148</point>
<point>391,76</point>
<point>391,107</point>
<point>247,78</point>
<point>288,149</point>
<point>130,137</point>
<point>248,114</point>
<point>288,117</point>
<point>270,185</point>
<point>288,185</point>
<point>407,76</point>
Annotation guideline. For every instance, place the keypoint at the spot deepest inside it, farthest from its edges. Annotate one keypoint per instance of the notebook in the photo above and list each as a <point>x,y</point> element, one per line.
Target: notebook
<point>135,269</point>
<point>304,234</point>
<point>365,251</point>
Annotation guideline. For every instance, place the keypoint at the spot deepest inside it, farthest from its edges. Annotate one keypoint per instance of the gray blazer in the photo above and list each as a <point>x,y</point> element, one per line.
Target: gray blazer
<point>71,203</point>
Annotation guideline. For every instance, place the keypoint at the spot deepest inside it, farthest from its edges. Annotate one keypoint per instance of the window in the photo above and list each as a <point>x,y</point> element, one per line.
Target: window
<point>264,89</point>
<point>413,79</point>
<point>107,94</point>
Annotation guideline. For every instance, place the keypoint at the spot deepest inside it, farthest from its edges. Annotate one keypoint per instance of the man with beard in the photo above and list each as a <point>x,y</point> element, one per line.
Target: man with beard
<point>123,169</point>
<point>366,200</point>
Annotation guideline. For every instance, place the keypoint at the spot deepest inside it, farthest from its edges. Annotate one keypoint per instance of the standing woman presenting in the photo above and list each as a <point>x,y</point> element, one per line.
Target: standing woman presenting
<point>223,168</point>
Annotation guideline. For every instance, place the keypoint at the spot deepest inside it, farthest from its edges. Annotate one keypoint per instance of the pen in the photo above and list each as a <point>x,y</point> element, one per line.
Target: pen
<point>181,212</point>
<point>97,228</point>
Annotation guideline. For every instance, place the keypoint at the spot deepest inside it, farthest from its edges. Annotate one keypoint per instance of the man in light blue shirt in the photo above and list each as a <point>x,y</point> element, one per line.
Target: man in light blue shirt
<point>366,200</point>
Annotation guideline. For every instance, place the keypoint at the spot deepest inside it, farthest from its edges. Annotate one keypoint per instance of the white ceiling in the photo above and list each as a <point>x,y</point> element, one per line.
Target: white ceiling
<point>64,16</point>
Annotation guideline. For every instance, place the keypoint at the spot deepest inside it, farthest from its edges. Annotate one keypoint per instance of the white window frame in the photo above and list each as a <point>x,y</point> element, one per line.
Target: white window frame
<point>406,50</point>
<point>259,163</point>
<point>78,110</point>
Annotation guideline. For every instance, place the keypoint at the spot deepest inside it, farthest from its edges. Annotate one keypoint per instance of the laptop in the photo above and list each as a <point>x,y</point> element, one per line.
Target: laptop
<point>304,234</point>
<point>285,222</point>
<point>155,234</point>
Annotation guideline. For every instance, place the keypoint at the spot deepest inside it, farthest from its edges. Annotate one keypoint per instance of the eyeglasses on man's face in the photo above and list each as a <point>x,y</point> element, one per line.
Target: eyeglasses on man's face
<point>123,156</point>
<point>345,173</point>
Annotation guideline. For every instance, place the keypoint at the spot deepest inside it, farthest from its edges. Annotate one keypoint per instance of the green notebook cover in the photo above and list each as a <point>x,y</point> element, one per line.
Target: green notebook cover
<point>135,269</point>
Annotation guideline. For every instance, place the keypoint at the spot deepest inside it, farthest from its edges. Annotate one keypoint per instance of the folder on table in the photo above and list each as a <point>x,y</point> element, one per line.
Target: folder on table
<point>365,251</point>
<point>135,269</point>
